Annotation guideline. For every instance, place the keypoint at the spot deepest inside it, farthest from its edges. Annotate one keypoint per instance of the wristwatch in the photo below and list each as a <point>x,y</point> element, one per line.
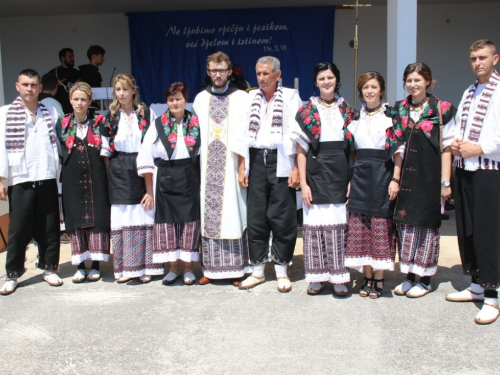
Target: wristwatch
<point>445,184</point>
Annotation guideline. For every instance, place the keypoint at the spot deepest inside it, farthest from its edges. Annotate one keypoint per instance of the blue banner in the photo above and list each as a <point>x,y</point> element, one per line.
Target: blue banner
<point>173,46</point>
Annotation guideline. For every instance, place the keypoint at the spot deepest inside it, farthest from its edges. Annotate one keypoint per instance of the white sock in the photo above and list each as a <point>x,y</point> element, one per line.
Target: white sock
<point>280,270</point>
<point>476,288</point>
<point>258,270</point>
<point>491,301</point>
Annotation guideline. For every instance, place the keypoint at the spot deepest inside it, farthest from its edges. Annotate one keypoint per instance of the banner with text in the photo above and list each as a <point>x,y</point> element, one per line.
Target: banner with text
<point>173,46</point>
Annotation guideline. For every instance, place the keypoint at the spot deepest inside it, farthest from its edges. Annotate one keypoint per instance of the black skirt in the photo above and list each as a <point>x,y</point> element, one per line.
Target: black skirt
<point>328,173</point>
<point>371,177</point>
<point>125,185</point>
<point>177,197</point>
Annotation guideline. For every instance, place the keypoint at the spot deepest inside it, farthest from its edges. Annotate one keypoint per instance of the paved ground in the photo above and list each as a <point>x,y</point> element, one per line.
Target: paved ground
<point>106,328</point>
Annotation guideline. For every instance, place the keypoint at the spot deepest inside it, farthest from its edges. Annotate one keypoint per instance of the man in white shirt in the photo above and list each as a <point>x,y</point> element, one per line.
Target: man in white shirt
<point>29,161</point>
<point>477,202</point>
<point>273,175</point>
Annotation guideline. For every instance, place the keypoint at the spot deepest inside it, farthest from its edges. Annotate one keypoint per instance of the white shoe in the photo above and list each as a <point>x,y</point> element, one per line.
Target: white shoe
<point>284,284</point>
<point>79,276</point>
<point>145,279</point>
<point>252,281</point>
<point>488,314</point>
<point>340,290</point>
<point>403,288</point>
<point>52,279</point>
<point>419,290</point>
<point>466,295</point>
<point>170,278</point>
<point>314,288</point>
<point>94,275</point>
<point>122,280</point>
<point>189,278</point>
<point>8,287</point>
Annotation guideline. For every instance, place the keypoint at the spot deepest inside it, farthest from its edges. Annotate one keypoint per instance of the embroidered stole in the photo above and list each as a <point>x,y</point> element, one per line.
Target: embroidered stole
<point>15,130</point>
<point>277,120</point>
<point>481,109</point>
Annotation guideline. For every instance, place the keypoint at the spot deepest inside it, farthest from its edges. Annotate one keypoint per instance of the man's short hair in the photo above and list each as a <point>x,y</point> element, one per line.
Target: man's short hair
<point>63,52</point>
<point>482,43</point>
<point>95,50</point>
<point>275,63</point>
<point>219,57</point>
<point>32,73</point>
<point>49,82</point>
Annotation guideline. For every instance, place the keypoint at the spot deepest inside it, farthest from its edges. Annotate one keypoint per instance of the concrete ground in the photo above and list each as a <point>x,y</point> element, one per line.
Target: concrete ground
<point>107,328</point>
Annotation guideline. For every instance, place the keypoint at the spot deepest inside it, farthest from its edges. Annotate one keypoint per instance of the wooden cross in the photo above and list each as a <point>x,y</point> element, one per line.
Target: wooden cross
<point>356,7</point>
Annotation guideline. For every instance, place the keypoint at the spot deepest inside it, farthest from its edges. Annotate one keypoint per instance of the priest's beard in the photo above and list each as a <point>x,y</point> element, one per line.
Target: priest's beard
<point>220,85</point>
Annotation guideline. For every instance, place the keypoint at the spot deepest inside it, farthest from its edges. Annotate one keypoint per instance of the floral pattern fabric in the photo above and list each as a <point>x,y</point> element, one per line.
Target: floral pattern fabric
<point>429,119</point>
<point>111,126</point>
<point>68,130</point>
<point>191,130</point>
<point>309,120</point>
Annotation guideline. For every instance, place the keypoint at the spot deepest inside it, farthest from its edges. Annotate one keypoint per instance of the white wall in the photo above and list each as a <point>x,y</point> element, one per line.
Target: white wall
<point>441,45</point>
<point>35,42</point>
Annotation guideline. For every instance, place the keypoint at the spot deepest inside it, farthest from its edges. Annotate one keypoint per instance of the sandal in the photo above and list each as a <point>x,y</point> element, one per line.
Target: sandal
<point>374,294</point>
<point>365,289</point>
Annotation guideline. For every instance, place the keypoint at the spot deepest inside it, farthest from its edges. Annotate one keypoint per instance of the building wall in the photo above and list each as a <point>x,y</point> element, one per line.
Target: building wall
<point>35,42</point>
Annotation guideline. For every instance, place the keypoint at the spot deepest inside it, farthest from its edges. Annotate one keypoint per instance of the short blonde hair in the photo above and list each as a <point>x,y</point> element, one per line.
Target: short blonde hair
<point>81,86</point>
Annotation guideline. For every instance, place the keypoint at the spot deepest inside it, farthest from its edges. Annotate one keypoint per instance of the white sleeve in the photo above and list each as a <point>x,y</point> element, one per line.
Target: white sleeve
<point>145,157</point>
<point>105,149</point>
<point>450,131</point>
<point>293,105</point>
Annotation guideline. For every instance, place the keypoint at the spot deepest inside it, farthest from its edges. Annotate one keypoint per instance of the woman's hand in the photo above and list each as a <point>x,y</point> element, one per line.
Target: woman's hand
<point>393,190</point>
<point>306,195</point>
<point>348,192</point>
<point>445,192</point>
<point>147,202</point>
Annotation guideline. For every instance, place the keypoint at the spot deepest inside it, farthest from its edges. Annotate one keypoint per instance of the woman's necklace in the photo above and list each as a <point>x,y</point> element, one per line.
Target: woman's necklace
<point>416,107</point>
<point>327,103</point>
<point>128,117</point>
<point>81,127</point>
<point>373,111</point>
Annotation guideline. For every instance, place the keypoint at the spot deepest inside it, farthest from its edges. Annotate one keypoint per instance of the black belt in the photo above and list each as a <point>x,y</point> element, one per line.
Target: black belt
<point>266,151</point>
<point>181,163</point>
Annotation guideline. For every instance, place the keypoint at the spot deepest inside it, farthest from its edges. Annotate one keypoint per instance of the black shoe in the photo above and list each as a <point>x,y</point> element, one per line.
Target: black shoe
<point>445,217</point>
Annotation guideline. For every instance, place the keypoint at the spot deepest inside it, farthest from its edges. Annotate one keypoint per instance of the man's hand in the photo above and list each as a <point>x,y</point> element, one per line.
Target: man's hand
<point>242,180</point>
<point>293,178</point>
<point>3,191</point>
<point>468,150</point>
<point>455,147</point>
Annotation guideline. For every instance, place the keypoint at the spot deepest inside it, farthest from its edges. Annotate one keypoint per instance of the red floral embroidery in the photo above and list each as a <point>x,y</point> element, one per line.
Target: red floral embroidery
<point>70,141</point>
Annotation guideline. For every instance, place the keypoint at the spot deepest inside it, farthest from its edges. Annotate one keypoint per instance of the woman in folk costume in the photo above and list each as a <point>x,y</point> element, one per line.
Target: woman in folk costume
<point>323,143</point>
<point>425,178</point>
<point>371,241</point>
<point>84,184</point>
<point>132,213</point>
<point>169,161</point>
